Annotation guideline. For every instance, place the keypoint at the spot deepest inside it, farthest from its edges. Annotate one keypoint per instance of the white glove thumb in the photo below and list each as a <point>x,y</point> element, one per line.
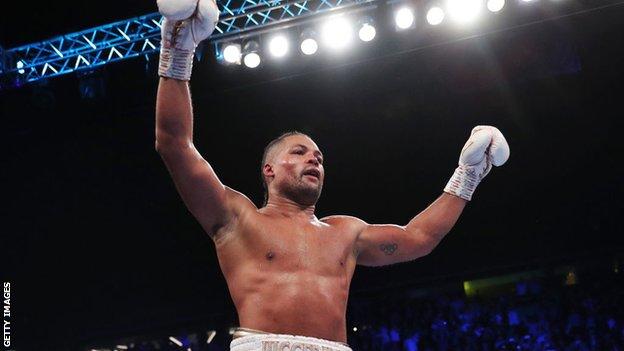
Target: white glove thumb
<point>499,149</point>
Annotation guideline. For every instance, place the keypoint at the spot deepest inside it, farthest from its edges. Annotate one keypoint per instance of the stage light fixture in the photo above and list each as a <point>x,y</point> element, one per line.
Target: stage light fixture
<point>337,33</point>
<point>232,53</point>
<point>278,46</point>
<point>495,5</point>
<point>367,31</point>
<point>464,11</point>
<point>252,60</point>
<point>20,66</point>
<point>435,16</point>
<point>404,18</point>
<point>308,45</point>
<point>251,54</point>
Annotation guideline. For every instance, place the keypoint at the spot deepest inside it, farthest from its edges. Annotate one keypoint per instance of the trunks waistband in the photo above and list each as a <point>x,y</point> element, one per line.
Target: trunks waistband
<point>246,339</point>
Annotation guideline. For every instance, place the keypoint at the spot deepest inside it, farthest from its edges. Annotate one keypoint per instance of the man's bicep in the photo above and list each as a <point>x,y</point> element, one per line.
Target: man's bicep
<point>212,203</point>
<point>384,244</point>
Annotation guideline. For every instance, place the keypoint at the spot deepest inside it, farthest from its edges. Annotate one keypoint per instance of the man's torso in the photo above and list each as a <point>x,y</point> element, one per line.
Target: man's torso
<point>288,276</point>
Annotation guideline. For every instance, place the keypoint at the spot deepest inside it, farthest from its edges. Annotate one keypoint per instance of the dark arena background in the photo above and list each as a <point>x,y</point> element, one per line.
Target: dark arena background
<point>101,253</point>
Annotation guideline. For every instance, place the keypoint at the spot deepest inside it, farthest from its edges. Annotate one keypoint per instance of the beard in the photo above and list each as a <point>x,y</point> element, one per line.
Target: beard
<point>303,192</point>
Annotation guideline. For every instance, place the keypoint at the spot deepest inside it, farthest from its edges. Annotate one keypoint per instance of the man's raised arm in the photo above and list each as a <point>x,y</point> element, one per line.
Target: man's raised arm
<point>384,244</point>
<point>185,24</point>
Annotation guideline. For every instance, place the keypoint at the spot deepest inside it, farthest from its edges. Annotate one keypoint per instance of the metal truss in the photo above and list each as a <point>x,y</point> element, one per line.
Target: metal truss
<point>248,15</point>
<point>130,38</point>
<point>83,50</point>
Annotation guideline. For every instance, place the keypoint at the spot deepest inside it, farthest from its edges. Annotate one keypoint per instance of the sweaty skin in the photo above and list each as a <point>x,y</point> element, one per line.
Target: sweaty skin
<point>287,271</point>
<point>289,275</point>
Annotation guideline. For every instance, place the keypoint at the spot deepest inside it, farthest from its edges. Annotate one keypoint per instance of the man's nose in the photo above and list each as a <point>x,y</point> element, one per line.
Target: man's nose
<point>313,160</point>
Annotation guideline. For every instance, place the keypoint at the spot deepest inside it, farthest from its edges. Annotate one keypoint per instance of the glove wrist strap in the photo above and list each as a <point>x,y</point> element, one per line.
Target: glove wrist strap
<point>175,63</point>
<point>463,183</point>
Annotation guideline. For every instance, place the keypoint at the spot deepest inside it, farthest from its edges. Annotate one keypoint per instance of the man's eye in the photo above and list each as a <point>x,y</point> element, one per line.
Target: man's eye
<point>300,152</point>
<point>320,160</point>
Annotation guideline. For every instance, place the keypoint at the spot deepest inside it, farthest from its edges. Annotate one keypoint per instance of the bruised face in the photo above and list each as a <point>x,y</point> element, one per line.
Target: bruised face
<point>295,170</point>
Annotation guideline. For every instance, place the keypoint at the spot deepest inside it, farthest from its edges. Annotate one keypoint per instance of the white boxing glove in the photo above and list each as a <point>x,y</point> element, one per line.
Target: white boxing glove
<point>185,24</point>
<point>485,147</point>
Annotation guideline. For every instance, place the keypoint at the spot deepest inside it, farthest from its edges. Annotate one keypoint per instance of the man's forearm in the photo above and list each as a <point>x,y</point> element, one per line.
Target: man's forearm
<point>437,219</point>
<point>174,112</point>
<point>485,148</point>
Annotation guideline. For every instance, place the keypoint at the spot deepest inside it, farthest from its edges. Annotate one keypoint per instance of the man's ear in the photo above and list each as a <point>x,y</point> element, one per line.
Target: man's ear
<point>267,170</point>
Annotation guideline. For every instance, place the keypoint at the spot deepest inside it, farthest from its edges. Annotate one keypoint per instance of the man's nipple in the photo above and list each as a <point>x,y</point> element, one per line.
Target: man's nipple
<point>269,256</point>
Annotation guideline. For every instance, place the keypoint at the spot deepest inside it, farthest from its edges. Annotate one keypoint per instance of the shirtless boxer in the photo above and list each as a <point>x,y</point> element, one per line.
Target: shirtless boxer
<point>289,272</point>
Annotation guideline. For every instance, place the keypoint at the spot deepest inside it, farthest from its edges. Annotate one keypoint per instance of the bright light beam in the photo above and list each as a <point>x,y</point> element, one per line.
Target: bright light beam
<point>278,46</point>
<point>464,11</point>
<point>309,46</point>
<point>232,53</point>
<point>495,5</point>
<point>252,60</point>
<point>337,33</point>
<point>367,32</point>
<point>404,18</point>
<point>435,16</point>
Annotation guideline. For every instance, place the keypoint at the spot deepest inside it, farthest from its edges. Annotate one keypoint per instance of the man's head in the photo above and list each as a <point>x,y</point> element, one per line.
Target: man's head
<point>292,165</point>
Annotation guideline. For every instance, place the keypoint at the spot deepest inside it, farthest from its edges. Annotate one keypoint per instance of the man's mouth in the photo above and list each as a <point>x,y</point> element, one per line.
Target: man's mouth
<point>312,173</point>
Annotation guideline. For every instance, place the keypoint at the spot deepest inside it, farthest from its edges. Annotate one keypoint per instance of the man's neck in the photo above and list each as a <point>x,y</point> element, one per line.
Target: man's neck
<point>289,208</point>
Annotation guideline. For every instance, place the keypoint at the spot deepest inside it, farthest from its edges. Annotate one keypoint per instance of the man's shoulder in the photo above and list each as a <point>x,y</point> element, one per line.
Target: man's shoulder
<point>343,220</point>
<point>239,201</point>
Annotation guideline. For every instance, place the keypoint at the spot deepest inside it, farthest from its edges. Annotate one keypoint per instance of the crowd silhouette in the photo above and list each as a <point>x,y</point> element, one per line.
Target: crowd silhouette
<point>536,315</point>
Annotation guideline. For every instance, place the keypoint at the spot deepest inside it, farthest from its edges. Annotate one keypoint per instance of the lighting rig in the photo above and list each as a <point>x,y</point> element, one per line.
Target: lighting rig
<point>251,32</point>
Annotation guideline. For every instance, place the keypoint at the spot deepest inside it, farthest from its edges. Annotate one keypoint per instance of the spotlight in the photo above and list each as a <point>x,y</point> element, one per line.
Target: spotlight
<point>20,66</point>
<point>252,60</point>
<point>337,33</point>
<point>404,18</point>
<point>308,45</point>
<point>367,30</point>
<point>278,46</point>
<point>495,5</point>
<point>232,53</point>
<point>435,16</point>
<point>464,11</point>
<point>251,57</point>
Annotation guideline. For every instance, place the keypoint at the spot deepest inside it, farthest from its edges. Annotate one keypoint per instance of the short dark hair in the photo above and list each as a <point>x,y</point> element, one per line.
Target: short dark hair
<point>270,146</point>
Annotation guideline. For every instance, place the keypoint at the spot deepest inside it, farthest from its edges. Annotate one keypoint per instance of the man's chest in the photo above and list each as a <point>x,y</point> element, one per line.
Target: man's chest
<point>292,245</point>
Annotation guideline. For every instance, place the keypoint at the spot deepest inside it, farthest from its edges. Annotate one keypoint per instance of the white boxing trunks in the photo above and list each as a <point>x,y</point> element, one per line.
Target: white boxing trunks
<point>255,340</point>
